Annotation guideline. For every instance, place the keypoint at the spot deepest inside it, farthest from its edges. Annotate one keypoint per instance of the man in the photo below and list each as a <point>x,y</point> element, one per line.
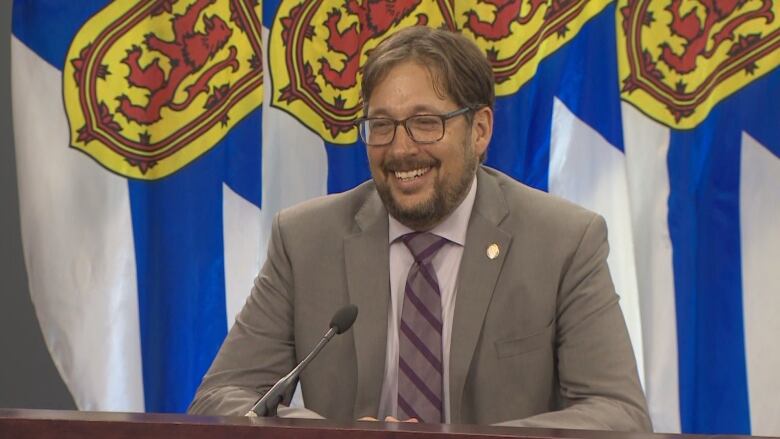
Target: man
<point>503,311</point>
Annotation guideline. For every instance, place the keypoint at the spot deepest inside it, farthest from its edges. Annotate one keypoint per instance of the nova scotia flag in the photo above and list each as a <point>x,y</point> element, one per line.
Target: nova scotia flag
<point>144,223</point>
<point>138,253</point>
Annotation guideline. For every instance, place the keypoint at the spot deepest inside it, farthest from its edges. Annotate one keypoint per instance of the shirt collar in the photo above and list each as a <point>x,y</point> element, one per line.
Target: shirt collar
<point>453,228</point>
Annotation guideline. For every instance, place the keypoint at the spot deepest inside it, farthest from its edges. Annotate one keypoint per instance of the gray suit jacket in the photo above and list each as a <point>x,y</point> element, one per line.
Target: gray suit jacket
<point>538,338</point>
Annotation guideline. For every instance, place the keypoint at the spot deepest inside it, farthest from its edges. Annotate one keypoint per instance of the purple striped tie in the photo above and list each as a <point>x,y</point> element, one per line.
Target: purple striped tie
<point>420,384</point>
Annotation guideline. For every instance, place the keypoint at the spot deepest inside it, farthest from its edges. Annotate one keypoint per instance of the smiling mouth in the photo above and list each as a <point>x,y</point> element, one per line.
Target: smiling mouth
<point>412,174</point>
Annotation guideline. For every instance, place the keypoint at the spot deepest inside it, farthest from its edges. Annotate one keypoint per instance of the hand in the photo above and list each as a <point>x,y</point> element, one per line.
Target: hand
<point>392,419</point>
<point>388,419</point>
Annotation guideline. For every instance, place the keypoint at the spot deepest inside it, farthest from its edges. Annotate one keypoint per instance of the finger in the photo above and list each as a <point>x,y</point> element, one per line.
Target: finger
<point>368,418</point>
<point>391,419</point>
<point>412,420</point>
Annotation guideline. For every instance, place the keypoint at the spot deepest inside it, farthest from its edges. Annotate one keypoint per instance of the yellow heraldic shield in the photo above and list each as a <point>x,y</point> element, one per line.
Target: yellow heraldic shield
<point>151,85</point>
<point>678,59</point>
<point>317,48</point>
<point>518,35</point>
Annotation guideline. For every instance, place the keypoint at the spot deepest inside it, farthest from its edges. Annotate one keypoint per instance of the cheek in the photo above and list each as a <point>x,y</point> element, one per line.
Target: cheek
<point>374,158</point>
<point>452,160</point>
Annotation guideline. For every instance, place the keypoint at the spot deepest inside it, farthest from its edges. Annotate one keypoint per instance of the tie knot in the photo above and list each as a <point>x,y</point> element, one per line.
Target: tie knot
<point>423,245</point>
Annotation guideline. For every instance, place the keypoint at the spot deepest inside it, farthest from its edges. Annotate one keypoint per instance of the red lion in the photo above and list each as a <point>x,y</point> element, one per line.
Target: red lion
<point>375,17</point>
<point>188,53</point>
<point>507,12</point>
<point>698,34</point>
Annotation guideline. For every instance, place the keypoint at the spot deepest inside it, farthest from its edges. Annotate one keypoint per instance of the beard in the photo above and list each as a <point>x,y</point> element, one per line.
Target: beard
<point>444,201</point>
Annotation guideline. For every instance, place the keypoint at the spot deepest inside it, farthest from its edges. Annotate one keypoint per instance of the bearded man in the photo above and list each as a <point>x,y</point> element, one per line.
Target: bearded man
<point>481,300</point>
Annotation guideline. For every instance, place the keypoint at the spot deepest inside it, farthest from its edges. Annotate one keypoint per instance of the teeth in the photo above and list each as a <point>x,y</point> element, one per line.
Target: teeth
<point>408,175</point>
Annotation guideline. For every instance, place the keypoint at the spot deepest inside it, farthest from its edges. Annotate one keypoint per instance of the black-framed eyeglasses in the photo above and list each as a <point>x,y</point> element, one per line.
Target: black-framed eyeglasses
<point>421,128</point>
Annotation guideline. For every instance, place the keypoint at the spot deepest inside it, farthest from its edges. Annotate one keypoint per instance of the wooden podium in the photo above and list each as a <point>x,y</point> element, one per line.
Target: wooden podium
<point>49,424</point>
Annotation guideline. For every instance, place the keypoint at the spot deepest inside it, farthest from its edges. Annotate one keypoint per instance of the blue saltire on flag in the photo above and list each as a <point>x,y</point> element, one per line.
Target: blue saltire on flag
<point>704,213</point>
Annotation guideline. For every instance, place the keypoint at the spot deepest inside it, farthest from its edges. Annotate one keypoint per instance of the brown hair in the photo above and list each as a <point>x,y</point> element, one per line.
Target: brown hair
<point>458,67</point>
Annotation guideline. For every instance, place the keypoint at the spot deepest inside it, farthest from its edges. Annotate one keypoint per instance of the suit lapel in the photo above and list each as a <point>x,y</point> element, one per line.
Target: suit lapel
<point>476,281</point>
<point>368,282</point>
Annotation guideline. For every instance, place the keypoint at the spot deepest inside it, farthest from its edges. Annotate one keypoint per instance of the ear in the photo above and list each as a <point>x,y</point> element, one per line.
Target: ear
<point>482,129</point>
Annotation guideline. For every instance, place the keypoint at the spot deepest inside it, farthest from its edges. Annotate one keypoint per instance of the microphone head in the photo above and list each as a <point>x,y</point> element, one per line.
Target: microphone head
<point>344,318</point>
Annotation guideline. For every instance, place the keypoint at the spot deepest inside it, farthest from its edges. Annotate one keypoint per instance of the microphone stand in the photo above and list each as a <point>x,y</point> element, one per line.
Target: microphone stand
<point>268,404</point>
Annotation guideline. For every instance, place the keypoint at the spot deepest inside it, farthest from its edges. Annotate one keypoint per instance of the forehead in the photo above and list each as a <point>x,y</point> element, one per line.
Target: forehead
<point>407,88</point>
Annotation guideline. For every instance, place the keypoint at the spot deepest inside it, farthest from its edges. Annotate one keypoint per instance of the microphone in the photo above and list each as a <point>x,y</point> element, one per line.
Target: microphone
<point>267,405</point>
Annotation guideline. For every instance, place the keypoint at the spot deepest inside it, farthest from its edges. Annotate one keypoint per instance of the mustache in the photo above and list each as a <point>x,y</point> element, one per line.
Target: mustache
<point>394,165</point>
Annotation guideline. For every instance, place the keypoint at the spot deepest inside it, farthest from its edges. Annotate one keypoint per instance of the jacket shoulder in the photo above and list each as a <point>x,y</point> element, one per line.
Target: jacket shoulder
<point>328,213</point>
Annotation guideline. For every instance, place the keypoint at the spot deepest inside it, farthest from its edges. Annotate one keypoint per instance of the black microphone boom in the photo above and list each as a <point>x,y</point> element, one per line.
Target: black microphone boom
<point>267,405</point>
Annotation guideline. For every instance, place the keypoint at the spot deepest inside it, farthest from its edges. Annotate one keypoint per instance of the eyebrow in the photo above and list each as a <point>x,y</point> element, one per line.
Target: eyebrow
<point>417,109</point>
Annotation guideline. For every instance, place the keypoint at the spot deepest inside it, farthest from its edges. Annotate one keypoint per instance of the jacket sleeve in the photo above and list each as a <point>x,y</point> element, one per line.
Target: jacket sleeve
<point>259,348</point>
<point>598,382</point>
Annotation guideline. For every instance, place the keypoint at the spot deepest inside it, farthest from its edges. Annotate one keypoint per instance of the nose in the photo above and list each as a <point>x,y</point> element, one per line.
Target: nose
<point>402,142</point>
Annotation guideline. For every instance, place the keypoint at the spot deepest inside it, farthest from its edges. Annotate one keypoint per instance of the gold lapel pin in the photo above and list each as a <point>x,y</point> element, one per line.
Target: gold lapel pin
<point>493,251</point>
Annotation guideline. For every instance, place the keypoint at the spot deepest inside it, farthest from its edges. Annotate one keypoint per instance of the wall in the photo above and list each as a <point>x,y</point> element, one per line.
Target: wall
<point>28,378</point>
